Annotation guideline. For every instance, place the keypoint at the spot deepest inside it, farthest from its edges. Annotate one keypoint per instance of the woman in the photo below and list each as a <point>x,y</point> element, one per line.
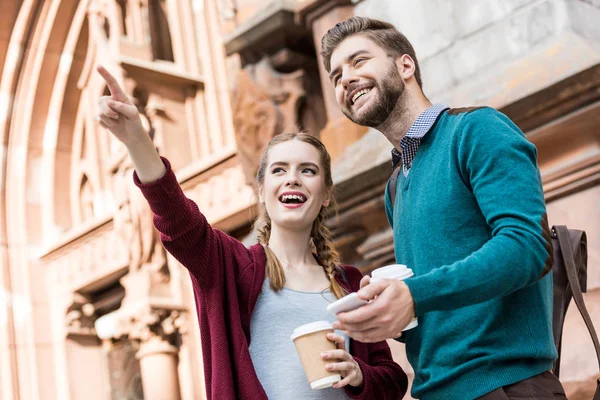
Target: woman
<point>250,300</point>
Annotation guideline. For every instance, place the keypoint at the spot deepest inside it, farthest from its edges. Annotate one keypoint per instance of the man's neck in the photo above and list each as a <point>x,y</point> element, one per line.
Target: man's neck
<point>403,116</point>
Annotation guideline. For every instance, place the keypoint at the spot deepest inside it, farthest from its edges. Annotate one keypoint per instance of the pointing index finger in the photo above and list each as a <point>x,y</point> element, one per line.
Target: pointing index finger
<point>115,89</point>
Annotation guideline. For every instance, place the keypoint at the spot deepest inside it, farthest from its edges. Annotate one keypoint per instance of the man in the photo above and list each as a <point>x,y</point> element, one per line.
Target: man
<point>469,218</point>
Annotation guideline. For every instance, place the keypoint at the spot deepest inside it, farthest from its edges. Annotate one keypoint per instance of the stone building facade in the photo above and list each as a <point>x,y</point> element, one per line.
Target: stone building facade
<point>92,307</point>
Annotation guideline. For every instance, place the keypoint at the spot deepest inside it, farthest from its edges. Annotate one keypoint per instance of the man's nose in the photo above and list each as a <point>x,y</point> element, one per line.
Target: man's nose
<point>348,78</point>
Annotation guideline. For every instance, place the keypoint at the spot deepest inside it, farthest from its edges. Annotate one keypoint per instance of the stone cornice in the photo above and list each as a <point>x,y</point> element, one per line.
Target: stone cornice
<point>74,236</point>
<point>310,10</point>
<point>556,100</point>
<point>268,31</point>
<point>160,71</point>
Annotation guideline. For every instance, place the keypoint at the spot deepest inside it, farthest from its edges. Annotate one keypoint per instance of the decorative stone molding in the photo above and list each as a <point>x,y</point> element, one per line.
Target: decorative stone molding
<point>80,320</point>
<point>144,321</point>
<point>156,322</point>
<point>133,221</point>
<point>222,195</point>
<point>88,257</point>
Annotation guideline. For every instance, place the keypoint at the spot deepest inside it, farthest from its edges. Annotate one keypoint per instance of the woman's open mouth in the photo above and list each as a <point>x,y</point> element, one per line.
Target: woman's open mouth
<point>292,199</point>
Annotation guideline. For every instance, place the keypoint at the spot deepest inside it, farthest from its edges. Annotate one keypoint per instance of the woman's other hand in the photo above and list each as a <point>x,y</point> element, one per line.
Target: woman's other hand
<point>345,364</point>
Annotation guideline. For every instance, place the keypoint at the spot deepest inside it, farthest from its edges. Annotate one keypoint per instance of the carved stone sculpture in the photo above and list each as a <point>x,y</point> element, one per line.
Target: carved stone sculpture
<point>266,103</point>
<point>80,319</point>
<point>134,219</point>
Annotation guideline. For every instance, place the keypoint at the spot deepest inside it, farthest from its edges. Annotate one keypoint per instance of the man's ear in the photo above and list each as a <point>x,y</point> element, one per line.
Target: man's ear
<point>406,67</point>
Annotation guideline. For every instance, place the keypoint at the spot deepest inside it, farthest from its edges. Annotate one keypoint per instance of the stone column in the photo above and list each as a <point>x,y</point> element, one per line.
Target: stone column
<point>320,16</point>
<point>158,329</point>
<point>158,364</point>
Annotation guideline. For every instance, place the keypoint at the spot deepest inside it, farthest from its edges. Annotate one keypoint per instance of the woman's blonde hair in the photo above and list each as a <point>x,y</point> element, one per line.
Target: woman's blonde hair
<point>325,253</point>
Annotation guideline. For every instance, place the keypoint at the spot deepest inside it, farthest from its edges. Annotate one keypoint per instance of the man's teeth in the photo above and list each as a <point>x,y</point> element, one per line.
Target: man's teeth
<point>359,93</point>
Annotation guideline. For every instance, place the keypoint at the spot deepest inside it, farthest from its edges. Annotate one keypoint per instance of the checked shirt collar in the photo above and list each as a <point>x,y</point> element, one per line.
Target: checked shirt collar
<point>411,141</point>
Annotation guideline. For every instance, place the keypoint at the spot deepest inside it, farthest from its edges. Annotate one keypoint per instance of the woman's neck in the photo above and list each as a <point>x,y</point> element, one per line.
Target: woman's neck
<point>292,248</point>
<point>294,252</point>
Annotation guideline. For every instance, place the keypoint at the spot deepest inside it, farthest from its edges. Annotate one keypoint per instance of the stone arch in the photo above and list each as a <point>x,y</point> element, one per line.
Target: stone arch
<point>65,115</point>
<point>31,120</point>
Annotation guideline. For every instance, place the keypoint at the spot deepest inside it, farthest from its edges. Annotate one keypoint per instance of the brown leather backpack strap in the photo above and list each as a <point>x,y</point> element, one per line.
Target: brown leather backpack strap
<point>572,275</point>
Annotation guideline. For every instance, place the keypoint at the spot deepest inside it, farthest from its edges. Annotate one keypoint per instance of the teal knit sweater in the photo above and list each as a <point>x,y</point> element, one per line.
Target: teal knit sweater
<point>470,220</point>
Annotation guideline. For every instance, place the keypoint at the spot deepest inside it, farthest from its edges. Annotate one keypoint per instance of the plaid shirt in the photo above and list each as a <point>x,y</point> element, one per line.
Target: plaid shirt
<point>411,141</point>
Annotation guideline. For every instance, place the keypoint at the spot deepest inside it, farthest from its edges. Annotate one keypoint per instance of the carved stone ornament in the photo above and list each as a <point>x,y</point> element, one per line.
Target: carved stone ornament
<point>265,104</point>
<point>80,318</point>
<point>166,324</point>
<point>133,222</point>
<point>143,323</point>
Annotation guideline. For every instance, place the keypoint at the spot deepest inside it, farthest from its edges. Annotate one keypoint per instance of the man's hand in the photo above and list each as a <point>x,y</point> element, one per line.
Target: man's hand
<point>391,308</point>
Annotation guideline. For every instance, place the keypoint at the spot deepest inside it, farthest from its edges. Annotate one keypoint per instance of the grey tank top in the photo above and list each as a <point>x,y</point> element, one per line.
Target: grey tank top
<point>274,356</point>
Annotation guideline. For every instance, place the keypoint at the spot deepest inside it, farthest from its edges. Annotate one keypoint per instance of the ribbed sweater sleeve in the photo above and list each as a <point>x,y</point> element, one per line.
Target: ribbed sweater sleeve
<point>186,233</point>
<point>499,165</point>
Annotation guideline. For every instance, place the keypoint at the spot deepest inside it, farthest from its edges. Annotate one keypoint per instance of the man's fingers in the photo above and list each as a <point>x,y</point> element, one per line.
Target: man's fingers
<point>359,316</point>
<point>372,290</point>
<point>365,281</point>
<point>129,111</point>
<point>115,89</point>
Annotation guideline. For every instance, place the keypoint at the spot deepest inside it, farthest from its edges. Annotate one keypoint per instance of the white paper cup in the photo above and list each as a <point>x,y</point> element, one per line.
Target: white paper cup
<point>394,271</point>
<point>310,341</point>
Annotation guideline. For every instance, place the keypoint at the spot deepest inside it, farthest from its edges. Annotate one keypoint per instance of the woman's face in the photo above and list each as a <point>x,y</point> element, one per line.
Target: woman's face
<point>294,187</point>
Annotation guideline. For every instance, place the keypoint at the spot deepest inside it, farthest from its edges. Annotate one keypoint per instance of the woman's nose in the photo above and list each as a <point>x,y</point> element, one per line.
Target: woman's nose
<point>292,181</point>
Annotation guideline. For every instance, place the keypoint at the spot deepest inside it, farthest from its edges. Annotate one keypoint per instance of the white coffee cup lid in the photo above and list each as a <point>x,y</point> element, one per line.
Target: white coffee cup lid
<point>396,271</point>
<point>310,328</point>
<point>326,382</point>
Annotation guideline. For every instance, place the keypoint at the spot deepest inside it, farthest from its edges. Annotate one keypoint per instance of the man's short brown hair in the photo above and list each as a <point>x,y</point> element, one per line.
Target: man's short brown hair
<point>384,34</point>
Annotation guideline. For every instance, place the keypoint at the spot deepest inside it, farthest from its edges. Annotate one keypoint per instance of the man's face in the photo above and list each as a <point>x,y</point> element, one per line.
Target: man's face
<point>366,81</point>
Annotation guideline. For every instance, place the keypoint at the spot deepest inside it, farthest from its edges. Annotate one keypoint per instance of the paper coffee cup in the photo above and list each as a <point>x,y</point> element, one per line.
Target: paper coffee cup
<point>310,341</point>
<point>394,271</point>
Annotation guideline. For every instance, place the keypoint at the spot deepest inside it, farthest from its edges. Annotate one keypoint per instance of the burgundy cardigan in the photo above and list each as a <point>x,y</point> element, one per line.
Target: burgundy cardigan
<point>227,278</point>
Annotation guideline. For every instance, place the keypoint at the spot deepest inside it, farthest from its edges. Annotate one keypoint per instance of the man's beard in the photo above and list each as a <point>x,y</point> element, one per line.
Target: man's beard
<point>389,91</point>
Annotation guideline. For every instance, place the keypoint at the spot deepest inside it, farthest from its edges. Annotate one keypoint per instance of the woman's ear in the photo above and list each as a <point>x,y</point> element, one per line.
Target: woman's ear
<point>261,197</point>
<point>327,200</point>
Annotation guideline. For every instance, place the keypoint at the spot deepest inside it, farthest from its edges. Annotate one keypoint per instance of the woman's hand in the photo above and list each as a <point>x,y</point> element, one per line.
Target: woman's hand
<point>345,365</point>
<point>121,117</point>
<point>118,114</point>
